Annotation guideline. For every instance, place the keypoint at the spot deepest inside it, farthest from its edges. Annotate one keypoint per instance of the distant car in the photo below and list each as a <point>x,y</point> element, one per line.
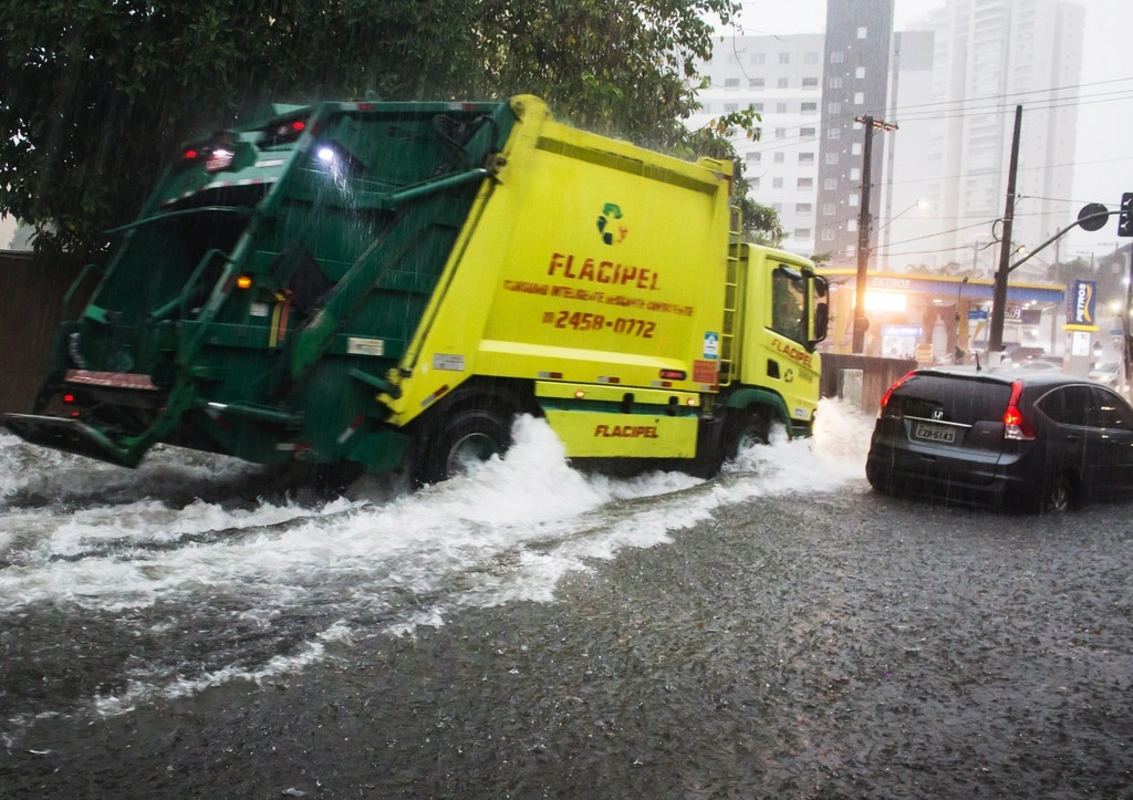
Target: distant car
<point>1022,354</point>
<point>1040,365</point>
<point>1013,438</point>
<point>1107,372</point>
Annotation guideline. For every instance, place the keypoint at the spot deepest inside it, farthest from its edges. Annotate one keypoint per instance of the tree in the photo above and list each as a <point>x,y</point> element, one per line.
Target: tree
<point>94,96</point>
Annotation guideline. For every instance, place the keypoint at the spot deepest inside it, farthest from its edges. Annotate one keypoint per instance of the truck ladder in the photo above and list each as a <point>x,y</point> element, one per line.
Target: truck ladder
<point>731,302</point>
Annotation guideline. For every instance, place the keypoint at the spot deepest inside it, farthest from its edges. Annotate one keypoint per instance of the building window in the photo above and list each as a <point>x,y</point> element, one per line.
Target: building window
<point>830,184</point>
<point>780,108</point>
<point>784,58</point>
<point>759,58</point>
<point>757,107</point>
<point>852,226</point>
<point>852,200</point>
<point>832,158</point>
<point>856,173</point>
<point>777,208</point>
<point>834,133</point>
<point>776,183</point>
<point>836,82</point>
<point>827,234</point>
<point>784,83</point>
<point>806,133</point>
<point>809,108</point>
<point>804,208</point>
<point>810,83</point>
<point>780,133</point>
<point>829,209</point>
<point>806,158</point>
<point>856,149</point>
<point>861,31</point>
<point>805,183</point>
<point>730,107</point>
<point>731,83</point>
<point>859,72</point>
<point>802,233</point>
<point>780,158</point>
<point>810,58</point>
<point>837,57</point>
<point>834,108</point>
<point>753,158</point>
<point>755,83</point>
<point>859,98</point>
<point>754,182</point>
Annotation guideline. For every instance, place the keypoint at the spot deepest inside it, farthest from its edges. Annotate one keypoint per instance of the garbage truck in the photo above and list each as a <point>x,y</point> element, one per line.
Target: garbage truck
<point>387,285</point>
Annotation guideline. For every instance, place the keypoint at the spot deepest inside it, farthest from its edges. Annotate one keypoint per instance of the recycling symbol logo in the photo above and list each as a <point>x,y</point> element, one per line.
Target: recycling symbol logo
<point>611,232</point>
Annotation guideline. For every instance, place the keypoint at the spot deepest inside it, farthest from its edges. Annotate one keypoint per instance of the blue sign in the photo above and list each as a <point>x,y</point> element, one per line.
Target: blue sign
<point>1081,303</point>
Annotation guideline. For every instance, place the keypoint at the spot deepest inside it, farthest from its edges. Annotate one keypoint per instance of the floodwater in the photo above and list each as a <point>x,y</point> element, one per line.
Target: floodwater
<point>122,588</point>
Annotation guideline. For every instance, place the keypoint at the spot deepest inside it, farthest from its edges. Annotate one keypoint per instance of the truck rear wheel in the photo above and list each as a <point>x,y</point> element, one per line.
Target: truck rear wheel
<point>463,440</point>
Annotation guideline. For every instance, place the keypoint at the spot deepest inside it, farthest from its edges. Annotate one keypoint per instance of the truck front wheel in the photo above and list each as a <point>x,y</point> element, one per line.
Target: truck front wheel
<point>745,431</point>
<point>462,441</point>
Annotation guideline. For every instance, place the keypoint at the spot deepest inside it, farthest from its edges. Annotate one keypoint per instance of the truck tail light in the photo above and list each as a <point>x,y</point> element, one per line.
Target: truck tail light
<point>286,131</point>
<point>889,392</point>
<point>1015,426</point>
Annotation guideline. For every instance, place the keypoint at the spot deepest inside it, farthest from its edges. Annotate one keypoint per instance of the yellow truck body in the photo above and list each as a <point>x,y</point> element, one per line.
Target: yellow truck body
<point>387,285</point>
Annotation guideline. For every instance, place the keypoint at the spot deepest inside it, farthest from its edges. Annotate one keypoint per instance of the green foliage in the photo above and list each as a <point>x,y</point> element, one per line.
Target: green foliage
<point>96,94</point>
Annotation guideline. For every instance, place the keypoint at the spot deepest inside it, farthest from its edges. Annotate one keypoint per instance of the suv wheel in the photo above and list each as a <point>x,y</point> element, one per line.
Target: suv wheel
<point>1058,497</point>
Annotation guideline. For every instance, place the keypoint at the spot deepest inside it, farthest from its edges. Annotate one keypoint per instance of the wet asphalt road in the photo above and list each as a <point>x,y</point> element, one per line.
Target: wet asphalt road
<point>842,645</point>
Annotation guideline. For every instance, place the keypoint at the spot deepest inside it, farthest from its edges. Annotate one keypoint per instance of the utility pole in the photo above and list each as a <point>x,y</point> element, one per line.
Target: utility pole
<point>999,293</point>
<point>860,320</point>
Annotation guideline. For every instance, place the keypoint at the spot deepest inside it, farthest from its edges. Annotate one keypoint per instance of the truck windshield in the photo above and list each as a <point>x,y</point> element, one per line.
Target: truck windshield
<point>788,304</point>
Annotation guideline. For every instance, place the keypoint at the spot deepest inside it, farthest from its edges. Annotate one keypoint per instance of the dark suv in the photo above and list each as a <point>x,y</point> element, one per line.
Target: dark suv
<point>1002,438</point>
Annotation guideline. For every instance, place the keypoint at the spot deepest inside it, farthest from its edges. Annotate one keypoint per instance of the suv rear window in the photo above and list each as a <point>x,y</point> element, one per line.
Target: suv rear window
<point>957,399</point>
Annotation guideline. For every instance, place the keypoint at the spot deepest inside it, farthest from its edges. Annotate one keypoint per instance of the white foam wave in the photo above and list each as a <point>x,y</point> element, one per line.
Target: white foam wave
<point>508,531</point>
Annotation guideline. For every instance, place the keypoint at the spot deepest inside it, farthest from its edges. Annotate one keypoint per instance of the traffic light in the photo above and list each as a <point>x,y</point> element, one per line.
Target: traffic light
<point>1125,217</point>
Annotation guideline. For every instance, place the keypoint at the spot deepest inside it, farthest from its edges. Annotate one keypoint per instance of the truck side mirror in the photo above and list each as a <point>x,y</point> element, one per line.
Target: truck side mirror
<point>821,316</point>
<point>821,320</point>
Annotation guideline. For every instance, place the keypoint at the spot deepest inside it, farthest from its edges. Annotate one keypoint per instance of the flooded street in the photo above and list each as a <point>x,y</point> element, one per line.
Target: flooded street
<point>191,630</point>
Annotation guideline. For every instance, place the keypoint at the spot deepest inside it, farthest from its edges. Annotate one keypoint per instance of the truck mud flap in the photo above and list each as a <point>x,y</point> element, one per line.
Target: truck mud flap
<point>71,436</point>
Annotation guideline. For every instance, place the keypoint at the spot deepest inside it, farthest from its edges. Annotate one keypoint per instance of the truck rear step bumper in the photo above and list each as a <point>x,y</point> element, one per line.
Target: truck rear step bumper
<point>70,435</point>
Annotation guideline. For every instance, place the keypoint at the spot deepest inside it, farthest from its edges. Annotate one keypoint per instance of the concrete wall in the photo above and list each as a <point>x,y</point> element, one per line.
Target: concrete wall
<point>31,293</point>
<point>840,377</point>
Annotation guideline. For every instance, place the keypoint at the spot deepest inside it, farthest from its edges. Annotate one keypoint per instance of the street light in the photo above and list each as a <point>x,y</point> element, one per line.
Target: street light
<point>918,203</point>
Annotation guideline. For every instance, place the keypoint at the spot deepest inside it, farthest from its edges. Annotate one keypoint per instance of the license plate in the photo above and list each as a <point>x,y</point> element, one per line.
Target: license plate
<point>935,433</point>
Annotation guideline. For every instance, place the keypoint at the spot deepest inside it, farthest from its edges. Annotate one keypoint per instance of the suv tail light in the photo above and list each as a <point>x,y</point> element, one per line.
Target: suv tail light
<point>889,392</point>
<point>1014,425</point>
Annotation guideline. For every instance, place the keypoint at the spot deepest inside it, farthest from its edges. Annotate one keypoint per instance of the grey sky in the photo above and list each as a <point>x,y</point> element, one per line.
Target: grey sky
<point>1103,158</point>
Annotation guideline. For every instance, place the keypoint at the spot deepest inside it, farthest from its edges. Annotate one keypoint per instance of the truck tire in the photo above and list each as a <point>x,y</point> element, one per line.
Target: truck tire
<point>749,428</point>
<point>461,440</point>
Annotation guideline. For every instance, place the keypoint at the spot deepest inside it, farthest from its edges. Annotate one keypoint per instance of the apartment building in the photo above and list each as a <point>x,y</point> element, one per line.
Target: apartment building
<point>989,56</point>
<point>856,80</point>
<point>782,77</point>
